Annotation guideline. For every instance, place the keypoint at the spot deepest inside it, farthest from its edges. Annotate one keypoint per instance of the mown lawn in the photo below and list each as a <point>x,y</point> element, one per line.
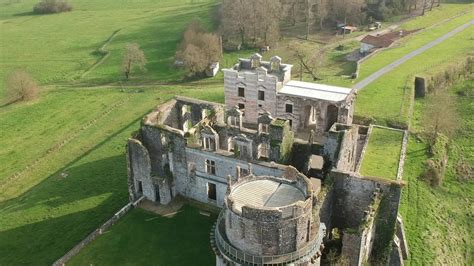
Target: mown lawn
<point>382,154</point>
<point>388,99</point>
<point>143,238</point>
<point>439,220</point>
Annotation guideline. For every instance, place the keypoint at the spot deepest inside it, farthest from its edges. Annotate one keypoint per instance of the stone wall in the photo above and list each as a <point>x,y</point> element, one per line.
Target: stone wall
<point>194,185</point>
<point>252,82</point>
<point>353,196</point>
<point>268,232</point>
<point>347,157</point>
<point>140,170</point>
<point>301,112</point>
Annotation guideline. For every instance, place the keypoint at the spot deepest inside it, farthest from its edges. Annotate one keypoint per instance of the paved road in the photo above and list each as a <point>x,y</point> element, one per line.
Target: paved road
<point>362,84</point>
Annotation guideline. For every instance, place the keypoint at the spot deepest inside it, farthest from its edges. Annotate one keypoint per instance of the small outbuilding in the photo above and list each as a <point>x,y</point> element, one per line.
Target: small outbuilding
<point>213,69</point>
<point>370,42</point>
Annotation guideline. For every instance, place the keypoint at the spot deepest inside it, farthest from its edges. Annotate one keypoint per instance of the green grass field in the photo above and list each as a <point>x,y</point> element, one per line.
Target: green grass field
<point>439,220</point>
<point>397,85</point>
<point>79,131</point>
<point>68,145</point>
<point>142,237</point>
<point>382,153</point>
<point>59,48</point>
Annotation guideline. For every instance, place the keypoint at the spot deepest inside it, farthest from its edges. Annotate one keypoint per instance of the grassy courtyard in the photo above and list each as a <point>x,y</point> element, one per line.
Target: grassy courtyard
<point>142,237</point>
<point>382,154</point>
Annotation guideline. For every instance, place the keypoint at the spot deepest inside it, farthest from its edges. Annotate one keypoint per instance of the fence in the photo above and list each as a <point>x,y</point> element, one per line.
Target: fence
<point>97,232</point>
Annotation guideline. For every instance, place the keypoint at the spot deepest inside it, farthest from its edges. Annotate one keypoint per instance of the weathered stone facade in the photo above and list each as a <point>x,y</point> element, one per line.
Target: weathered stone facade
<point>278,234</point>
<point>206,151</point>
<point>257,86</point>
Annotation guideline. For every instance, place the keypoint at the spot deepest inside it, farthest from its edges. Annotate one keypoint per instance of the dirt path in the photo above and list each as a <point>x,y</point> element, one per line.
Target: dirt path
<point>362,84</point>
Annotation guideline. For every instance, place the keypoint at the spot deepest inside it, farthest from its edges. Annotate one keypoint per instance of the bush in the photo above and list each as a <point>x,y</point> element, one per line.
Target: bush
<point>20,86</point>
<point>52,6</point>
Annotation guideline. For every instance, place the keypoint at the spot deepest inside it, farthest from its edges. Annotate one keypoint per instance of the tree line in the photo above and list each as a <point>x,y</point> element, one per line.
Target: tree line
<point>254,23</point>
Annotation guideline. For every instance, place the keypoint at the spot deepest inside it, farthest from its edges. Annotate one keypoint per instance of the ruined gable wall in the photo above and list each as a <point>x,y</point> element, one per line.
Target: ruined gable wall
<point>252,84</point>
<point>140,170</point>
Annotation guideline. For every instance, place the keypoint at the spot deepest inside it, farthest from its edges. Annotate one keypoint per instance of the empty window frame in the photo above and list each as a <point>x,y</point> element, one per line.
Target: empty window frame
<point>242,108</point>
<point>289,108</point>
<point>264,151</point>
<point>233,121</point>
<point>241,91</point>
<point>261,95</point>
<point>210,167</point>
<point>263,128</point>
<point>241,171</point>
<point>208,143</point>
<point>211,191</point>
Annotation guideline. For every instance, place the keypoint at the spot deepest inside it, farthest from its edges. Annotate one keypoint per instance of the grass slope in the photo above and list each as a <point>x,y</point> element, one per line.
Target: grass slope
<point>142,237</point>
<point>439,220</point>
<point>388,99</point>
<point>382,155</point>
<point>58,212</point>
<point>61,47</point>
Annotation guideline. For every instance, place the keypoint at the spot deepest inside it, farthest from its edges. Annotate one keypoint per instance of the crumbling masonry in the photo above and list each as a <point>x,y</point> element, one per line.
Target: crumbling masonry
<point>237,156</point>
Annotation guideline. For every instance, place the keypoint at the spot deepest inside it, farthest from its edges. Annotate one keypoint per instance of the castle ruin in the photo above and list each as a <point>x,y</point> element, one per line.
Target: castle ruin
<point>238,156</point>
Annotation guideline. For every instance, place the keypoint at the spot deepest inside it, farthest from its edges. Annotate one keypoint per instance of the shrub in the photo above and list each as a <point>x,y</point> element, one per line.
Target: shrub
<point>198,49</point>
<point>20,86</point>
<point>52,6</point>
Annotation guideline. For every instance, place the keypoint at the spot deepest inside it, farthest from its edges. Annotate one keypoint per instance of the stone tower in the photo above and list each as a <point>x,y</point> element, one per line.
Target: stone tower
<point>268,220</point>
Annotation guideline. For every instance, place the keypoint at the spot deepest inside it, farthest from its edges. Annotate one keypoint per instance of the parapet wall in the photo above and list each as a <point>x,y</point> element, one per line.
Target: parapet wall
<point>353,197</point>
<point>271,230</point>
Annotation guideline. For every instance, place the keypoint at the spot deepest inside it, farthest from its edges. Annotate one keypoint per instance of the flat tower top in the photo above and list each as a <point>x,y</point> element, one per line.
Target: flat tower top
<point>265,193</point>
<point>315,91</point>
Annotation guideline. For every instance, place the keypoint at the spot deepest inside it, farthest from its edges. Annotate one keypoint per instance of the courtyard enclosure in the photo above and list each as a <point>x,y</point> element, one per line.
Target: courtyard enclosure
<point>382,154</point>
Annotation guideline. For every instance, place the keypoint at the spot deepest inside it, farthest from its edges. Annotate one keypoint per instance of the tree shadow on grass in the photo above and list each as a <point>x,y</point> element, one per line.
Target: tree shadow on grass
<point>41,243</point>
<point>142,237</point>
<point>49,219</point>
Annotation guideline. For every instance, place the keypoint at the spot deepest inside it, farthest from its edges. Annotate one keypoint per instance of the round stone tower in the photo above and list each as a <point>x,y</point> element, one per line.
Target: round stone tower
<point>269,220</point>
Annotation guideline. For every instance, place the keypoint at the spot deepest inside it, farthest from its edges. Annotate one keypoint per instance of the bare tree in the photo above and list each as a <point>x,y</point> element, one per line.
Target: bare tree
<point>322,11</point>
<point>198,49</point>
<point>20,86</point>
<point>133,59</point>
<point>251,22</point>
<point>440,117</point>
<point>306,60</point>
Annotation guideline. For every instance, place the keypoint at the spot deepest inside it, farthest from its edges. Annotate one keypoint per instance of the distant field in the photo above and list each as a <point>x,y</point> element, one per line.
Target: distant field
<point>388,99</point>
<point>61,47</point>
<point>382,154</point>
<point>69,144</point>
<point>143,238</point>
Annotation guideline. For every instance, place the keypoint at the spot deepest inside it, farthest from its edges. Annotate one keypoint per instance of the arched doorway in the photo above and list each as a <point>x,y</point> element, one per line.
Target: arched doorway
<point>331,116</point>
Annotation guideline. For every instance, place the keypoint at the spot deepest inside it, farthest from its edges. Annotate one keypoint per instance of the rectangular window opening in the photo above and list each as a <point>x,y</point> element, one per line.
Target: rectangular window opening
<point>210,167</point>
<point>289,108</point>
<point>211,191</point>
<point>241,92</point>
<point>261,95</point>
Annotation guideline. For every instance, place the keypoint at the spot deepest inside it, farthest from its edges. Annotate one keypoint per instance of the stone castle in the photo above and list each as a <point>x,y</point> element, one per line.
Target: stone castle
<point>261,157</point>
